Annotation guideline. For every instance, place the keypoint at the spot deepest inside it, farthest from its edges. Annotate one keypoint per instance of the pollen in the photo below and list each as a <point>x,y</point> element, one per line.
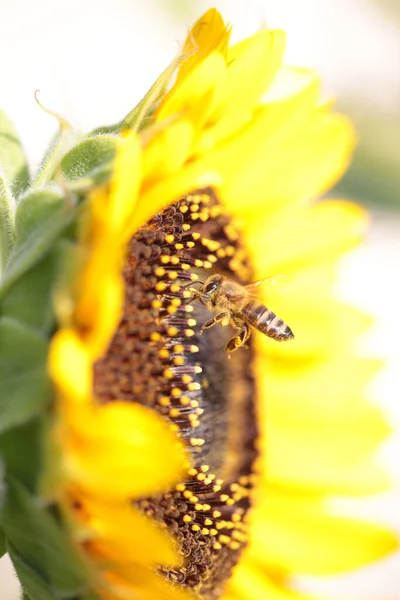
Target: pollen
<point>160,286</point>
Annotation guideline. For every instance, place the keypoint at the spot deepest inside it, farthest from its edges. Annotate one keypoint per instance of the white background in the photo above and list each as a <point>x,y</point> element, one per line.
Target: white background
<point>92,60</point>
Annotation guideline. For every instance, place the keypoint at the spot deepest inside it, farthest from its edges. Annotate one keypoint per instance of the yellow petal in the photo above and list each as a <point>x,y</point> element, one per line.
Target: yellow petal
<point>69,355</point>
<point>122,533</point>
<point>99,304</point>
<point>289,83</point>
<point>187,97</point>
<point>190,178</point>
<point>127,583</point>
<point>125,183</point>
<point>347,468</point>
<point>167,152</point>
<point>250,582</point>
<point>322,327</point>
<point>290,439</point>
<point>290,100</point>
<point>252,65</point>
<point>317,234</point>
<point>291,171</point>
<point>207,35</point>
<point>216,168</point>
<point>303,388</point>
<point>298,535</point>
<point>122,443</point>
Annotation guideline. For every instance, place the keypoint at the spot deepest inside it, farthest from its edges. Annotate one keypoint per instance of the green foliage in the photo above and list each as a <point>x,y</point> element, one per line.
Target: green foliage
<point>35,588</point>
<point>29,299</point>
<point>12,158</point>
<point>25,387</point>
<point>36,538</point>
<point>30,248</point>
<point>21,451</point>
<point>39,256</point>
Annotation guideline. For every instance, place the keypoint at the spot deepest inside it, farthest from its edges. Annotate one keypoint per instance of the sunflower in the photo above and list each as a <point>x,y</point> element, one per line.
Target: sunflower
<point>153,466</point>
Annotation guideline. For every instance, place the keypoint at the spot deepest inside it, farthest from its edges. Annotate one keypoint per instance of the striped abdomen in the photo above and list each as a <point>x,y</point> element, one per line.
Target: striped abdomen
<point>266,321</point>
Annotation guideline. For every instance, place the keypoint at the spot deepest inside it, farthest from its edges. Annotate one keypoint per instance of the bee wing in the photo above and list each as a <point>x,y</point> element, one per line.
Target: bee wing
<point>279,283</point>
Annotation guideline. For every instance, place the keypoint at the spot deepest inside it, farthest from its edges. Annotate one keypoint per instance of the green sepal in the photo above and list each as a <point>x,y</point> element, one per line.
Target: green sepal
<point>29,299</point>
<point>137,118</point>
<point>12,158</point>
<point>33,585</point>
<point>36,233</point>
<point>90,162</point>
<point>49,166</point>
<point>37,538</point>
<point>21,449</point>
<point>34,208</point>
<point>25,386</point>
<point>7,207</point>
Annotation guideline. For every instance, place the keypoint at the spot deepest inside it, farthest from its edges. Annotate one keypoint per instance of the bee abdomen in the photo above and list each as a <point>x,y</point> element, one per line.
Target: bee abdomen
<point>267,322</point>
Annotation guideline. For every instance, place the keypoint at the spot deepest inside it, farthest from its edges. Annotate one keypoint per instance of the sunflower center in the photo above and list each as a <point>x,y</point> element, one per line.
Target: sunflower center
<point>158,358</point>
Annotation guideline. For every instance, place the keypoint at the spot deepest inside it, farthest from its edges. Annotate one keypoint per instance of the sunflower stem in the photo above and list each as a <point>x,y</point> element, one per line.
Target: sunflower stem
<point>7,233</point>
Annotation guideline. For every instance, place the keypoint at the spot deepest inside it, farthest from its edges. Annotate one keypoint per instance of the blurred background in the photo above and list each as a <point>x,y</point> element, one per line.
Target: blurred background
<point>93,60</point>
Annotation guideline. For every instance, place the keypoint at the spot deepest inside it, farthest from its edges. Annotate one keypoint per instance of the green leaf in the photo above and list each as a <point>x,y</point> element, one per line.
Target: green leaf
<point>37,241</point>
<point>12,158</point>
<point>7,205</point>
<point>37,286</point>
<point>22,453</point>
<point>25,386</point>
<point>38,539</point>
<point>90,162</point>
<point>34,586</point>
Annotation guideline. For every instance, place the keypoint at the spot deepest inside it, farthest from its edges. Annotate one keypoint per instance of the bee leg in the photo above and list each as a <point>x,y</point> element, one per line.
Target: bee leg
<point>196,295</point>
<point>213,321</point>
<point>240,339</point>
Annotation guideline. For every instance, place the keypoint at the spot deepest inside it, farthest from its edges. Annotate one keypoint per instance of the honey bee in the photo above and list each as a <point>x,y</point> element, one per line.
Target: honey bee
<point>238,305</point>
